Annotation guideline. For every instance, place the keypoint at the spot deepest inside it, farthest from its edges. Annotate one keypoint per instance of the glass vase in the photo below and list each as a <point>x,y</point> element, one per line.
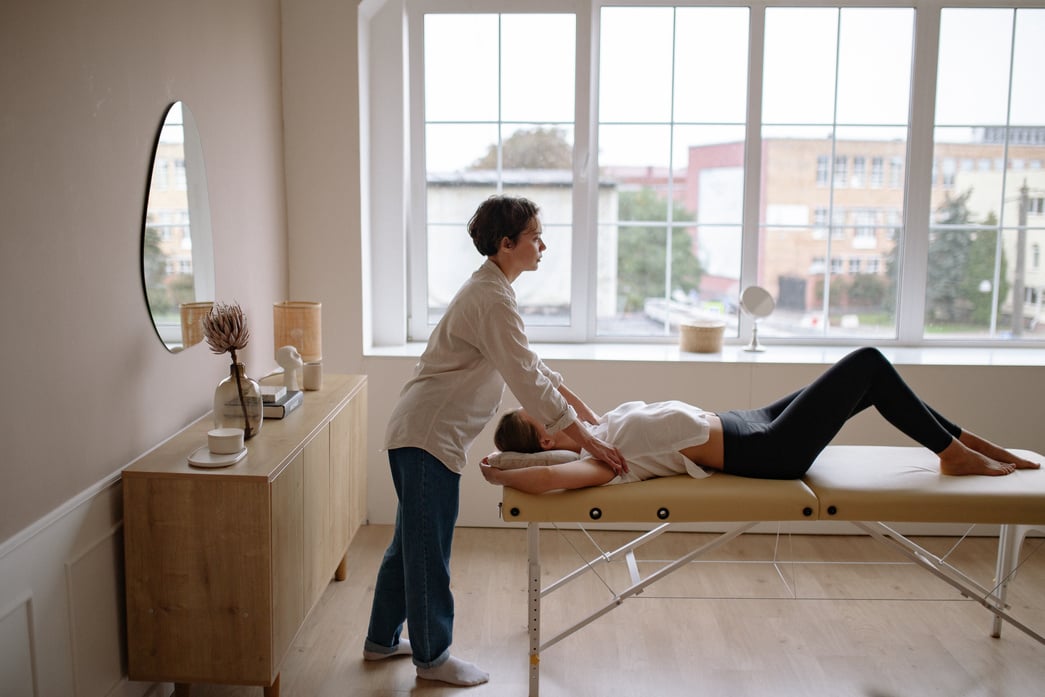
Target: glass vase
<point>237,403</point>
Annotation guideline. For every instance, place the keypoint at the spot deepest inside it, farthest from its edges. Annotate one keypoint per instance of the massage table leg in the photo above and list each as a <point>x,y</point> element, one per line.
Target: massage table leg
<point>533,544</point>
<point>1009,542</point>
<point>638,585</point>
<point>940,568</point>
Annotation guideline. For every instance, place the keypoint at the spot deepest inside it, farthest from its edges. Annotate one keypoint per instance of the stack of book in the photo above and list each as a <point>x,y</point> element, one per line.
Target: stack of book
<point>286,402</point>
<point>272,393</point>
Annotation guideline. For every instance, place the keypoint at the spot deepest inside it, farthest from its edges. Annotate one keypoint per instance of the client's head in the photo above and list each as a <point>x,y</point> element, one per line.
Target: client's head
<point>516,433</point>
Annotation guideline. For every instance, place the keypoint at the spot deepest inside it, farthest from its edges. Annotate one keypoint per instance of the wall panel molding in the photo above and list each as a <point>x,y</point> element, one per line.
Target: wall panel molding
<point>17,653</point>
<point>62,628</point>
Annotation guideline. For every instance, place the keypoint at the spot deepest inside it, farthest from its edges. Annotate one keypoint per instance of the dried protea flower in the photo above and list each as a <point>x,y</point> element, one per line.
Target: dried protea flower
<point>225,329</point>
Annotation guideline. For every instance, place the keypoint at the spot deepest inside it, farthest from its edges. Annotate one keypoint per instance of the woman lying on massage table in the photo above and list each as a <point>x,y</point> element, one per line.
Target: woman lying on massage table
<point>778,441</point>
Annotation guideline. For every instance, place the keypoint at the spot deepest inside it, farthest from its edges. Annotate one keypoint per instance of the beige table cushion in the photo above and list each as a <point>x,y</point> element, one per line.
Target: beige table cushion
<point>904,484</point>
<point>678,499</point>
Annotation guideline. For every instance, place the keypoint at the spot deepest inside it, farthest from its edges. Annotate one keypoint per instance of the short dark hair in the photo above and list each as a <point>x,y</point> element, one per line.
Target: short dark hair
<point>499,217</point>
<point>516,434</point>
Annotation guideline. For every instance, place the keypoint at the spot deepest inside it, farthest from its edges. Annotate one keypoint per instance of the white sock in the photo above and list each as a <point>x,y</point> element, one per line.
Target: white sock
<point>456,672</point>
<point>401,649</point>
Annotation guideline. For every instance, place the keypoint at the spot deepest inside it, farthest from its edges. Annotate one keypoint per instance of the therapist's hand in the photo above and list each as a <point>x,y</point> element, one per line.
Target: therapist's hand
<point>604,452</point>
<point>597,448</point>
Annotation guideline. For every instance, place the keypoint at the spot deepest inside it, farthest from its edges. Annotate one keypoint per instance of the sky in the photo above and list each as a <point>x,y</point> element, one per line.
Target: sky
<point>531,79</point>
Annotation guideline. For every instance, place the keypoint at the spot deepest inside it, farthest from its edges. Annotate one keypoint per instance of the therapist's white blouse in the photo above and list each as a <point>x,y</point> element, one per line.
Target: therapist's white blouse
<point>478,346</point>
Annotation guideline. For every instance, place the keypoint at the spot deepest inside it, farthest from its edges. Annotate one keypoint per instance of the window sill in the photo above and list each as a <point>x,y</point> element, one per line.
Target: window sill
<point>735,353</point>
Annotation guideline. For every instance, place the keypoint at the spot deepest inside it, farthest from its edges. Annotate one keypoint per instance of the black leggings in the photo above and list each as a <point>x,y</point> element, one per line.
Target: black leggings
<point>781,440</point>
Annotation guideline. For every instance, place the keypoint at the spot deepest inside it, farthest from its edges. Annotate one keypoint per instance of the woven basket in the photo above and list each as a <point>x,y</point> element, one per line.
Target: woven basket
<point>703,336</point>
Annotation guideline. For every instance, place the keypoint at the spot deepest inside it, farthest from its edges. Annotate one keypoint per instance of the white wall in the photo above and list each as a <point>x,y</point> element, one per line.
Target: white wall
<point>321,135</point>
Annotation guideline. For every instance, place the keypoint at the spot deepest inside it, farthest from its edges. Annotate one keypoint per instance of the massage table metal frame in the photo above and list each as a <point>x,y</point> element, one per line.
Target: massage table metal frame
<point>858,484</point>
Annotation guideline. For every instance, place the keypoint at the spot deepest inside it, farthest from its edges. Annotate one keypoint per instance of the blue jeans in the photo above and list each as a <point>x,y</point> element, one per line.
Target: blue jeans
<point>413,583</point>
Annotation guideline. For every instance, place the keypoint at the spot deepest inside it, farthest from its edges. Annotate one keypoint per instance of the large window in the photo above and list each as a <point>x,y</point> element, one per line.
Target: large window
<point>879,169</point>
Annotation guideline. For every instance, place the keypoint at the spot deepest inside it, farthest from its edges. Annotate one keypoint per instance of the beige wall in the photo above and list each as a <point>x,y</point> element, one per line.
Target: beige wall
<point>321,138</point>
<point>87,385</point>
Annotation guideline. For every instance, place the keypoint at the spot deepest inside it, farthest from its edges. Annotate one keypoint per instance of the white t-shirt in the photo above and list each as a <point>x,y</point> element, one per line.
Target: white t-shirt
<point>650,437</point>
<point>478,346</point>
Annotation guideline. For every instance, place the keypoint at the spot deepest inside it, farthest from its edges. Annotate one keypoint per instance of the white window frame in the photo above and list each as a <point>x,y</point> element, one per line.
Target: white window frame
<point>394,187</point>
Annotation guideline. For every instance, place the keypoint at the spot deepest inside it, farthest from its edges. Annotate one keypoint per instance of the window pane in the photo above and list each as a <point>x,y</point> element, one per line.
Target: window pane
<point>625,150</point>
<point>537,67</point>
<point>1028,98</point>
<point>800,61</point>
<point>711,65</point>
<point>461,76</point>
<point>544,295</point>
<point>639,255</point>
<point>635,64</point>
<point>712,168</point>
<point>457,147</point>
<point>981,247</point>
<point>962,273</point>
<point>717,250</point>
<point>677,185</point>
<point>486,133</point>
<point>874,66</point>
<point>973,74</point>
<point>446,242</point>
<point>832,184</point>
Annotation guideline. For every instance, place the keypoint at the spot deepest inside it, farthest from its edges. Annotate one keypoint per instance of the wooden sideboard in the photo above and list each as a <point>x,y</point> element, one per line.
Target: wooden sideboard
<point>223,565</point>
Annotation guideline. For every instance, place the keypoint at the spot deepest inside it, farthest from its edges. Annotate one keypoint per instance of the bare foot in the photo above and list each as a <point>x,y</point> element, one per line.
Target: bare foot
<point>1019,462</point>
<point>959,460</point>
<point>997,453</point>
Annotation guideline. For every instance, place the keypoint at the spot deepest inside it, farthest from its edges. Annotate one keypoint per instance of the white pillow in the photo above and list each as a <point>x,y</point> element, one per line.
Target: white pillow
<point>509,461</point>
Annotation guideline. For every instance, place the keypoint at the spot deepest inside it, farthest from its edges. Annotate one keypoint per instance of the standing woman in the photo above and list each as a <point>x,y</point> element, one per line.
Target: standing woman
<point>477,348</point>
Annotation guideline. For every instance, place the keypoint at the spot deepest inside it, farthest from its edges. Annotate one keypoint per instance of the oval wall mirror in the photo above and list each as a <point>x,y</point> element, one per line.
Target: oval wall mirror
<point>177,250</point>
<point>757,302</point>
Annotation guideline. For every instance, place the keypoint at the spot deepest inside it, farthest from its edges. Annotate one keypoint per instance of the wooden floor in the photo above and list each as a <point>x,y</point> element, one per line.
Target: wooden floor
<point>873,626</point>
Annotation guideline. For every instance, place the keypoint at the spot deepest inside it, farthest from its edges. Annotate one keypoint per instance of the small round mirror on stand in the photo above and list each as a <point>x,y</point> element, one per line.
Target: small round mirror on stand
<point>757,302</point>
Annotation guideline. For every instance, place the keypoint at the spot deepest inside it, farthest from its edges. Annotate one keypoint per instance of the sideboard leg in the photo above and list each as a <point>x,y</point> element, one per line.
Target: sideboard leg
<point>341,572</point>
<point>273,689</point>
<point>182,689</point>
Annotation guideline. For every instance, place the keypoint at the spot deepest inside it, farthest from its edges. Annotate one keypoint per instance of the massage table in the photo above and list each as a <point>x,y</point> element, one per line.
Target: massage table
<point>863,485</point>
